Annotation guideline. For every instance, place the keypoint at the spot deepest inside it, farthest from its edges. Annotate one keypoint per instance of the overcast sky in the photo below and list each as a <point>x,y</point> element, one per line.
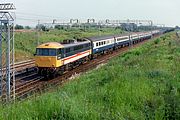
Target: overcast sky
<point>160,11</point>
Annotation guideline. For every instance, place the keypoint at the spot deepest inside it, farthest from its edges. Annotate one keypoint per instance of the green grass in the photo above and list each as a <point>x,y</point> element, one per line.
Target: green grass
<point>26,42</point>
<point>143,83</point>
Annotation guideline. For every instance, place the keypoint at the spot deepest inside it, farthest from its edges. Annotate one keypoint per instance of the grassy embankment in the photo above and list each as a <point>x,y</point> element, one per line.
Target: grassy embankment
<point>26,42</point>
<point>143,83</point>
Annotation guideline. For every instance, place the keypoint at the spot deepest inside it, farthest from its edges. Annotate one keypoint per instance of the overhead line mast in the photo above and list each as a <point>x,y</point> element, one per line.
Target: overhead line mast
<point>7,71</point>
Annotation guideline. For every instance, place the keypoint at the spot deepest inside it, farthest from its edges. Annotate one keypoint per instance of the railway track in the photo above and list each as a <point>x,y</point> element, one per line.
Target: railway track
<point>37,85</point>
<point>24,70</point>
<point>24,67</point>
<point>21,67</point>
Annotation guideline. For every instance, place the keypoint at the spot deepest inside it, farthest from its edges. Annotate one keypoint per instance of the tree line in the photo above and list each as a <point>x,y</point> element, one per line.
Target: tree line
<point>19,27</point>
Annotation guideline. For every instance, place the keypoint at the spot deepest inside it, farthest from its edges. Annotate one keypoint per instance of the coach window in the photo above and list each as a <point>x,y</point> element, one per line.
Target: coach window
<point>81,47</point>
<point>67,50</point>
<point>96,44</point>
<point>87,45</point>
<point>76,48</point>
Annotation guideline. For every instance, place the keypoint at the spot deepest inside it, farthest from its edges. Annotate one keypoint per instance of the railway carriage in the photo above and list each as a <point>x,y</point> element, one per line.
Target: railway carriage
<point>102,44</point>
<point>147,35</point>
<point>155,32</point>
<point>141,36</point>
<point>134,38</point>
<point>54,57</point>
<point>122,40</point>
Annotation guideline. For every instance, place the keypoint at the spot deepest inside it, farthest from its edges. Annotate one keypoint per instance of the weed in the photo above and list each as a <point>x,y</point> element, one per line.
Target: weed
<point>157,41</point>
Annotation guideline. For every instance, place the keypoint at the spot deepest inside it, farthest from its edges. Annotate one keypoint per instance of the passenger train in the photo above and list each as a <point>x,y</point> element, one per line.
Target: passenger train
<point>55,58</point>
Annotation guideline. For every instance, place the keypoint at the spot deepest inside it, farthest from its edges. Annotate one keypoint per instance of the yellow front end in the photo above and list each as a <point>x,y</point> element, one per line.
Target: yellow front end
<point>46,55</point>
<point>47,61</point>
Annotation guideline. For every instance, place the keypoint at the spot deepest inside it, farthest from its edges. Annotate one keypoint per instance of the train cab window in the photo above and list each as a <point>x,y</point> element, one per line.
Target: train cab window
<point>52,52</point>
<point>104,42</point>
<point>59,52</point>
<point>46,52</point>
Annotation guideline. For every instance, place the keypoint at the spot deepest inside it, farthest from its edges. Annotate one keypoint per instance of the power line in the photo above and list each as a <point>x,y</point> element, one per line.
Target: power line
<point>36,15</point>
<point>32,19</point>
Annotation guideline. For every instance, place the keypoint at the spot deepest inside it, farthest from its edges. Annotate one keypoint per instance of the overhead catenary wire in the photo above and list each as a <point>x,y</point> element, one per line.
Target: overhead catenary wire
<point>36,15</point>
<point>31,17</point>
<point>33,20</point>
<point>41,17</point>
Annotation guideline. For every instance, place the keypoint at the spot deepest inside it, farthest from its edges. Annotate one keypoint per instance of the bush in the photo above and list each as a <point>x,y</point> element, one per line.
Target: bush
<point>157,41</point>
<point>59,27</point>
<point>18,27</point>
<point>27,27</point>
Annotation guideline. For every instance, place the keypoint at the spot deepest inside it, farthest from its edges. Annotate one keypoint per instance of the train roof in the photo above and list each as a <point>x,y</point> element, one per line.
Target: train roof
<point>76,42</point>
<point>55,45</point>
<point>70,43</point>
<point>125,34</point>
<point>99,38</point>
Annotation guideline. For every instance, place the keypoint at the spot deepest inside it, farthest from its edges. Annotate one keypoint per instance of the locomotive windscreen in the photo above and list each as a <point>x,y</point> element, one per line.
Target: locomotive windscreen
<point>46,52</point>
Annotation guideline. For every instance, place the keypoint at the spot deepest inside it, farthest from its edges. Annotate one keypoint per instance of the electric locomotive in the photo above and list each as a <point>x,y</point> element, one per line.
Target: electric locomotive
<point>54,58</point>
